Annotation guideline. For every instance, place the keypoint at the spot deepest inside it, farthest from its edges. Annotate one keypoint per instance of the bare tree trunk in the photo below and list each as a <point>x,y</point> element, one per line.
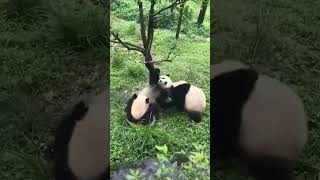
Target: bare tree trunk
<point>142,26</point>
<point>148,59</point>
<point>148,56</point>
<point>202,12</point>
<point>180,20</point>
<point>151,25</point>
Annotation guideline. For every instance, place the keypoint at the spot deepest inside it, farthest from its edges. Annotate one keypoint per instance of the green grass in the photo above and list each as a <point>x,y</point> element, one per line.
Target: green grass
<point>286,47</point>
<point>42,73</point>
<point>128,75</point>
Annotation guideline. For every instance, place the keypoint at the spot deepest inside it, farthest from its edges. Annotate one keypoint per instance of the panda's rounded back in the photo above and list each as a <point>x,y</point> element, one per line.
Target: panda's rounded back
<point>177,83</point>
<point>273,120</point>
<point>261,116</point>
<point>139,107</point>
<point>225,67</point>
<point>87,150</point>
<point>195,100</point>
<point>257,94</point>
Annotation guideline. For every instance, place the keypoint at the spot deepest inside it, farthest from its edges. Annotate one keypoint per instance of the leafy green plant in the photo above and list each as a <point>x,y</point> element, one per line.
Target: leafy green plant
<point>134,175</point>
<point>125,9</point>
<point>162,156</point>
<point>168,19</point>
<point>198,166</point>
<point>192,28</point>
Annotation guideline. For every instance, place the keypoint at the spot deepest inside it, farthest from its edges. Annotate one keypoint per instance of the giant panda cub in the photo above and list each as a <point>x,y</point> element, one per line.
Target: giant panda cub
<point>81,142</point>
<point>258,117</point>
<point>143,107</point>
<point>185,97</point>
<point>156,94</point>
<point>141,111</point>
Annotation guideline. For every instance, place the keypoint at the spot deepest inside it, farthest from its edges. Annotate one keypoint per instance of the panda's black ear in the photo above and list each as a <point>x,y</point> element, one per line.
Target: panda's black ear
<point>168,75</point>
<point>147,100</point>
<point>134,96</point>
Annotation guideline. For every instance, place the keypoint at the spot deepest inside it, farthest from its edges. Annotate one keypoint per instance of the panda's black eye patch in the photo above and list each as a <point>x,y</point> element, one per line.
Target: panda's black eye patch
<point>162,78</point>
<point>147,100</point>
<point>165,83</point>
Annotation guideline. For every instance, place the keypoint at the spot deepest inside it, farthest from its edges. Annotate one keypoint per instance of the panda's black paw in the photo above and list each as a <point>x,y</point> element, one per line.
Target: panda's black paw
<point>195,117</point>
<point>195,122</point>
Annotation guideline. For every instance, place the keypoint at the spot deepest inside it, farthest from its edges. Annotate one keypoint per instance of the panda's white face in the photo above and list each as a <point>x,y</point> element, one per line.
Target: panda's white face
<point>165,81</point>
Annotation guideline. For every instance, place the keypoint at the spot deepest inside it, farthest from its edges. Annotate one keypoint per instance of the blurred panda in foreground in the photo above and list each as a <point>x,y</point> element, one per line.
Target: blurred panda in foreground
<point>258,118</point>
<point>81,142</point>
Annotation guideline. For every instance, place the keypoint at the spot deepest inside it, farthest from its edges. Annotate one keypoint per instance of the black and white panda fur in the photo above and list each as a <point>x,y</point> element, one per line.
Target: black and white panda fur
<point>157,95</point>
<point>141,110</point>
<point>81,145</point>
<point>144,106</point>
<point>258,117</point>
<point>185,97</point>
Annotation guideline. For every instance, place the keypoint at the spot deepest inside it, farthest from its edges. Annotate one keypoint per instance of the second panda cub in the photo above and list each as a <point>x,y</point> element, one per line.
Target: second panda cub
<point>184,96</point>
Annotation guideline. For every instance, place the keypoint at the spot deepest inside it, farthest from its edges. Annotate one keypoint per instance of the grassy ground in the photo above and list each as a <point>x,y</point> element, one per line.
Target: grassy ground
<point>280,39</point>
<point>50,53</point>
<point>128,75</point>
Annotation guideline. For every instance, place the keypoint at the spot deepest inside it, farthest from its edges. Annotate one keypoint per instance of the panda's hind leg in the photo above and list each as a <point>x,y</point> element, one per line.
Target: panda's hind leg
<point>270,168</point>
<point>195,116</point>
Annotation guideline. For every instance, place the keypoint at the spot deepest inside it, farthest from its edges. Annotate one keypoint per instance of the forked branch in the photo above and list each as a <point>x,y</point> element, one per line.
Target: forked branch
<point>167,59</point>
<point>147,33</point>
<point>172,6</point>
<point>127,45</point>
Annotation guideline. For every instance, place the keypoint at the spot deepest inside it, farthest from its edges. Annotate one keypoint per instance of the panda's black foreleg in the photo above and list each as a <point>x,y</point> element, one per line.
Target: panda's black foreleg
<point>165,101</point>
<point>194,116</point>
<point>155,108</point>
<point>269,168</point>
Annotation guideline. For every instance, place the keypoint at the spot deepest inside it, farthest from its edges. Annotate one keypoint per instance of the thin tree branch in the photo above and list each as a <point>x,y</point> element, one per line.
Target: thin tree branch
<point>167,59</point>
<point>174,4</point>
<point>153,62</point>
<point>142,25</point>
<point>128,45</point>
<point>158,18</point>
<point>169,54</point>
